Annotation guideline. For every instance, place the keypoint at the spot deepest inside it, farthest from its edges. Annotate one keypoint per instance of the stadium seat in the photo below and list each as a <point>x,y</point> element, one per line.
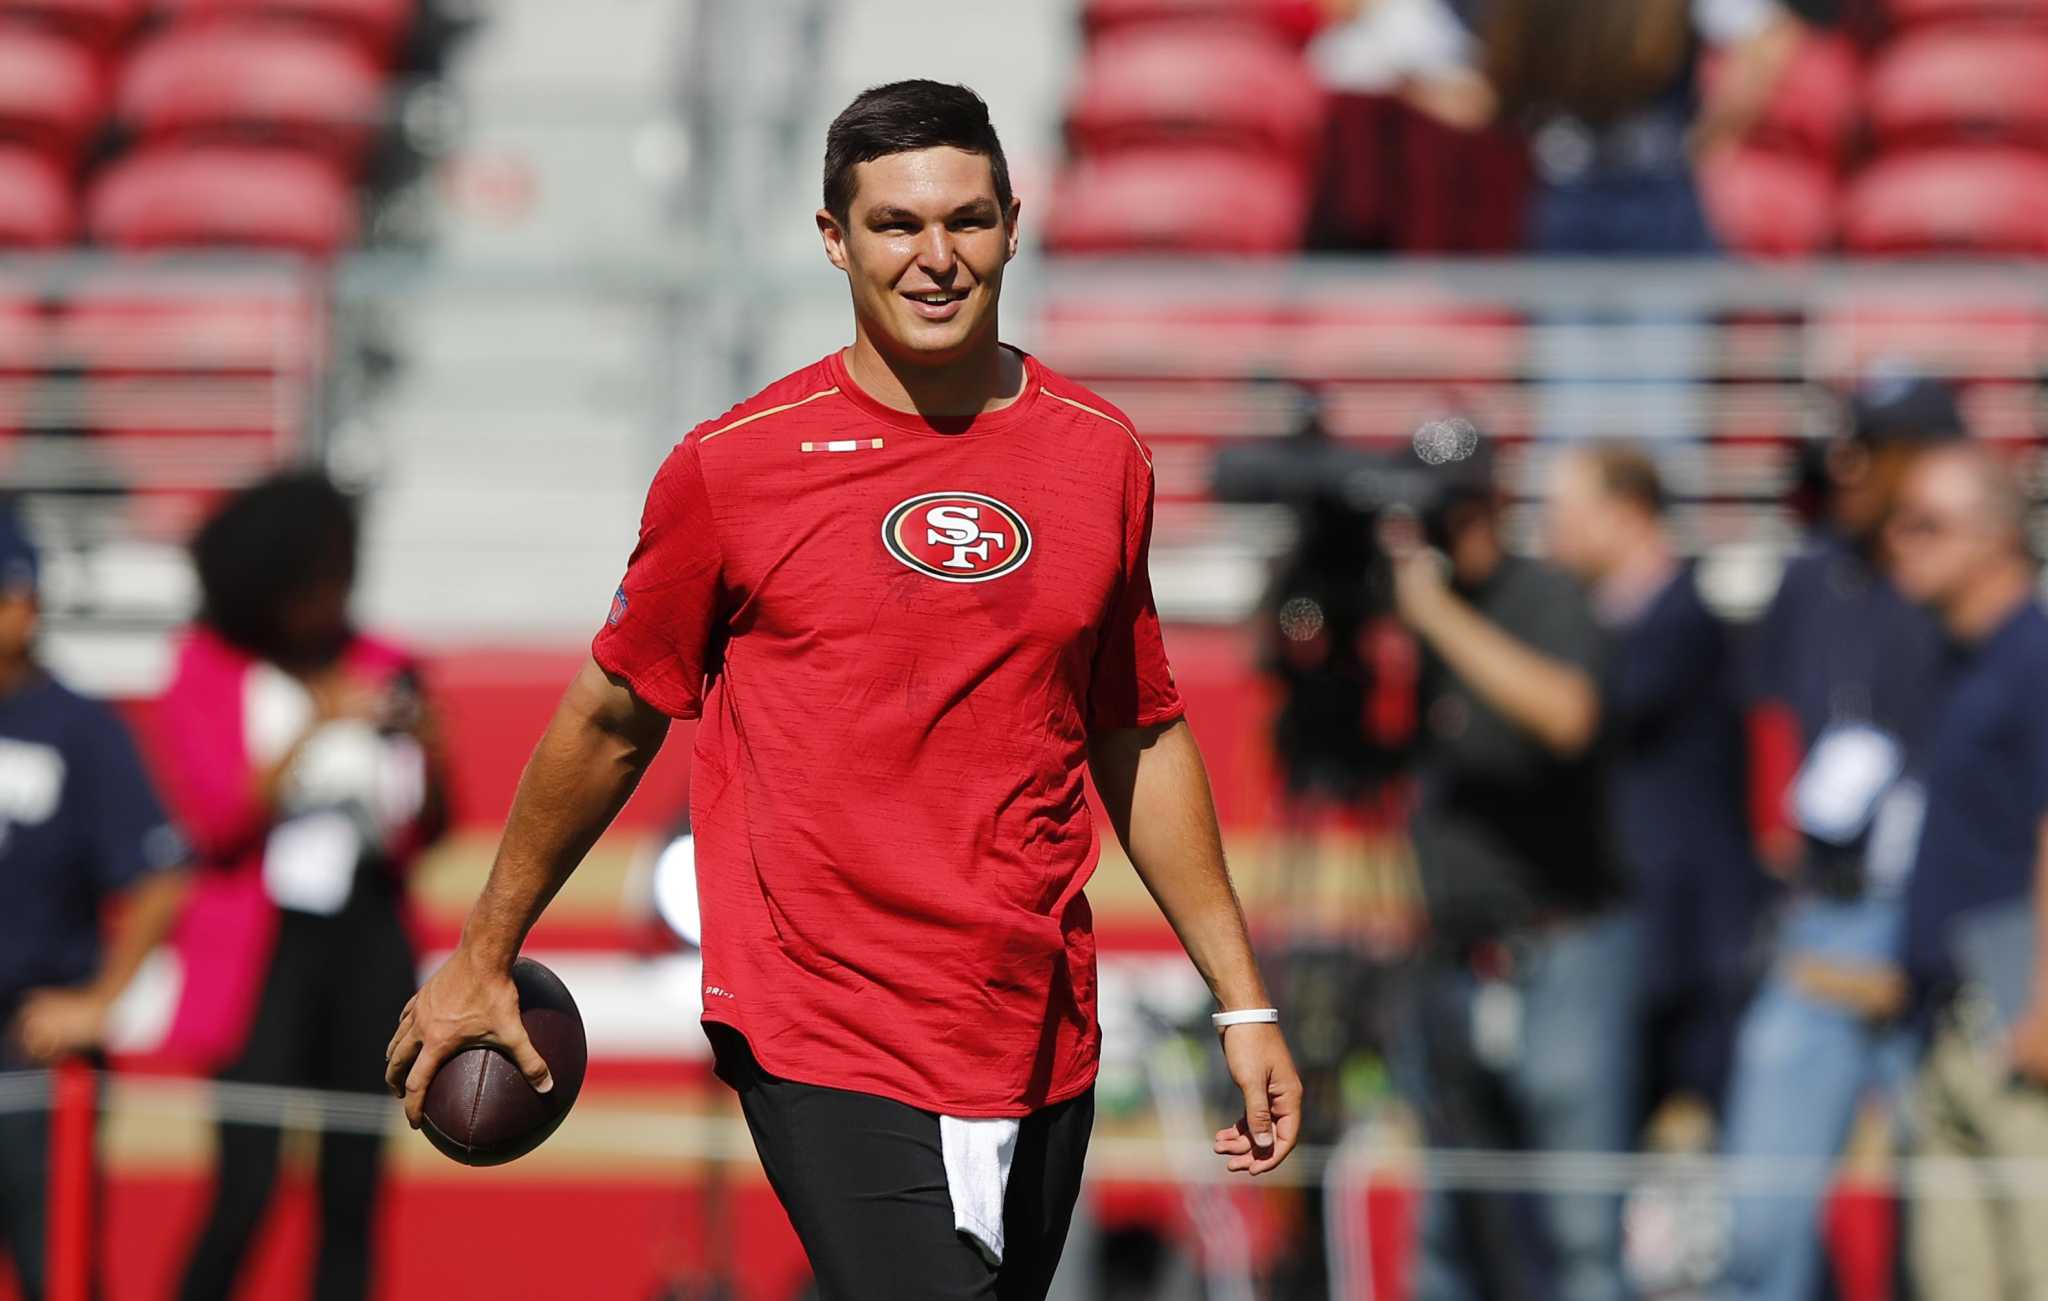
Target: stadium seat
<point>1407,337</point>
<point>1295,19</point>
<point>1980,201</point>
<point>1907,12</point>
<point>112,329</point>
<point>51,94</point>
<point>1817,101</point>
<point>99,24</point>
<point>378,26</point>
<point>1769,204</point>
<point>253,84</point>
<point>36,208</point>
<point>1965,337</point>
<point>1957,84</point>
<point>170,198</point>
<point>1179,201</point>
<point>1194,85</point>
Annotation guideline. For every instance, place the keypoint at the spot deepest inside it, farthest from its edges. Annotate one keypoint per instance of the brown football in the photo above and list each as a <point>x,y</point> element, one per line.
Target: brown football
<point>480,1110</point>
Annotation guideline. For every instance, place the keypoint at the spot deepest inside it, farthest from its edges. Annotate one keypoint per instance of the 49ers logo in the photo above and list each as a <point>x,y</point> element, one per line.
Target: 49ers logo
<point>957,537</point>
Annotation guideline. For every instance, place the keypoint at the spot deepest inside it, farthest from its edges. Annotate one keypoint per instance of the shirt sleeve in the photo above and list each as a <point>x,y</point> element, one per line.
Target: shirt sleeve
<point>1132,684</point>
<point>667,620</point>
<point>131,835</point>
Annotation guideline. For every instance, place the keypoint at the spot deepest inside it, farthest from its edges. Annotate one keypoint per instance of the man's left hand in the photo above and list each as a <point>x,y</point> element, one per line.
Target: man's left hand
<point>55,1023</point>
<point>2028,1046</point>
<point>1264,1070</point>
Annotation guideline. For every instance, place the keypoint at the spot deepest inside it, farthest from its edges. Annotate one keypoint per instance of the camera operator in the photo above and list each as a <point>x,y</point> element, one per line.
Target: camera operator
<point>1527,1016</point>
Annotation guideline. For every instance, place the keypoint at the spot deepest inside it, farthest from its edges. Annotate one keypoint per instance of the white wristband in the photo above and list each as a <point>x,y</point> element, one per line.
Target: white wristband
<point>1244,1016</point>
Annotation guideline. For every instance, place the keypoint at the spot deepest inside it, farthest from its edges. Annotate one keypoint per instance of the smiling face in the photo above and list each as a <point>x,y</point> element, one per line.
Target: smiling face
<point>923,245</point>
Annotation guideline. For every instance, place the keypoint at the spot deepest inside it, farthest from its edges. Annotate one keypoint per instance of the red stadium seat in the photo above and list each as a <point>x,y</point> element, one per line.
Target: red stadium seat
<point>255,84</point>
<point>97,23</point>
<point>1906,12</point>
<point>1769,204</point>
<point>1990,201</point>
<point>1971,338</point>
<point>35,202</point>
<point>1199,85</point>
<point>171,198</point>
<point>1817,100</point>
<point>115,330</point>
<point>51,93</point>
<point>1949,84</point>
<point>1296,19</point>
<point>376,25</point>
<point>1179,201</point>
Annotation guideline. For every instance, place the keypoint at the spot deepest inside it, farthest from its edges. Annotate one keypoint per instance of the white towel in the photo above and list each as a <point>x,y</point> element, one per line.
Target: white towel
<point>977,1154</point>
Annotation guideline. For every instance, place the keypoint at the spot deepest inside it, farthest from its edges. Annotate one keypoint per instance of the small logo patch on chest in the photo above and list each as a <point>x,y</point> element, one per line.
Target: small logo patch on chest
<point>957,537</point>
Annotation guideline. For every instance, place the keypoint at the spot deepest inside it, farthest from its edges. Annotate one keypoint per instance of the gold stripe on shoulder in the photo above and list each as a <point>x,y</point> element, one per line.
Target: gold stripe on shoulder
<point>1104,415</point>
<point>771,411</point>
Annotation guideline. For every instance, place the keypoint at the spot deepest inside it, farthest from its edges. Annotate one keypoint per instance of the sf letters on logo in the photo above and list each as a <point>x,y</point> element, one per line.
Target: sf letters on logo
<point>959,527</point>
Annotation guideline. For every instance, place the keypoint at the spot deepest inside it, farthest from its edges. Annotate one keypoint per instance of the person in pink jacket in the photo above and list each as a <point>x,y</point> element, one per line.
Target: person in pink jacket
<point>303,762</point>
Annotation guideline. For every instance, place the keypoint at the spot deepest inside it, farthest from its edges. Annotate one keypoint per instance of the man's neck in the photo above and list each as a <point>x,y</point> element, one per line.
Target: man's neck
<point>988,378</point>
<point>1638,574</point>
<point>1986,604</point>
<point>15,672</point>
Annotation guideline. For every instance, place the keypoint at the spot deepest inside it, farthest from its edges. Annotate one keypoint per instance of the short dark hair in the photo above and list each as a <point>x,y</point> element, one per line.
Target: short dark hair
<point>268,543</point>
<point>901,117</point>
<point>1627,473</point>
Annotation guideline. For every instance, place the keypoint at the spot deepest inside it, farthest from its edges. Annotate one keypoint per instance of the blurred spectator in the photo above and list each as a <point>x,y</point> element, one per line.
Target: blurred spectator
<point>80,827</point>
<point>1524,1036</point>
<point>1394,174</point>
<point>1959,536</point>
<point>305,763</point>
<point>1607,90</point>
<point>1674,744</point>
<point>1841,697</point>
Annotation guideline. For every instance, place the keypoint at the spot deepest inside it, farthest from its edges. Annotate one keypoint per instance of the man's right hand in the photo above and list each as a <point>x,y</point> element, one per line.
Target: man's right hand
<point>464,1004</point>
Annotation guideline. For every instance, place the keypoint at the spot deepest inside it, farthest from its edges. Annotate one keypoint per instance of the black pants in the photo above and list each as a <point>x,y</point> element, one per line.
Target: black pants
<point>334,991</point>
<point>864,1182</point>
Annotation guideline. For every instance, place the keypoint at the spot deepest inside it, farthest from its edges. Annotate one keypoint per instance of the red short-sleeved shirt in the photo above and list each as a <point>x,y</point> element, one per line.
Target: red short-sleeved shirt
<point>899,640</point>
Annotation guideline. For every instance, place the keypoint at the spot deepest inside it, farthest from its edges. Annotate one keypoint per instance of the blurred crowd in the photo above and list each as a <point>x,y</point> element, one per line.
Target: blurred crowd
<point>1555,126</point>
<point>1764,872</point>
<point>303,777</point>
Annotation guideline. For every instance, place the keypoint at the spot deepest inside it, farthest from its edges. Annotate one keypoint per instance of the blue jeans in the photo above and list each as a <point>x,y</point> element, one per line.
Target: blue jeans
<point>1570,1085</point>
<point>1802,1068</point>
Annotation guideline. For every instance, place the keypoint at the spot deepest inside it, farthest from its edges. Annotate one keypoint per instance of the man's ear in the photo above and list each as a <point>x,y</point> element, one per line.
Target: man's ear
<point>1016,206</point>
<point>835,238</point>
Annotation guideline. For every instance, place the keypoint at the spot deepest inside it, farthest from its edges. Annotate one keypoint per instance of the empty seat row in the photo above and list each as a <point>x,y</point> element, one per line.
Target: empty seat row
<point>182,197</point>
<point>208,82</point>
<point>376,26</point>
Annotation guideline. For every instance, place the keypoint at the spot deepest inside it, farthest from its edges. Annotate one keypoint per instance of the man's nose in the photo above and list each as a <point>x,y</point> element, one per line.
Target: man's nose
<point>935,252</point>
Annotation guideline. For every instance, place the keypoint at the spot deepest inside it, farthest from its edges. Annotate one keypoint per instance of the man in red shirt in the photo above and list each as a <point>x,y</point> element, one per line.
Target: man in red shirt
<point>906,591</point>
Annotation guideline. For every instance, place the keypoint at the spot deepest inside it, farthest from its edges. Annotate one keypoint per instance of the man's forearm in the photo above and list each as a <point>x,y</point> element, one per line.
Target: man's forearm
<point>581,774</point>
<point>149,910</point>
<point>1553,701</point>
<point>1157,793</point>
